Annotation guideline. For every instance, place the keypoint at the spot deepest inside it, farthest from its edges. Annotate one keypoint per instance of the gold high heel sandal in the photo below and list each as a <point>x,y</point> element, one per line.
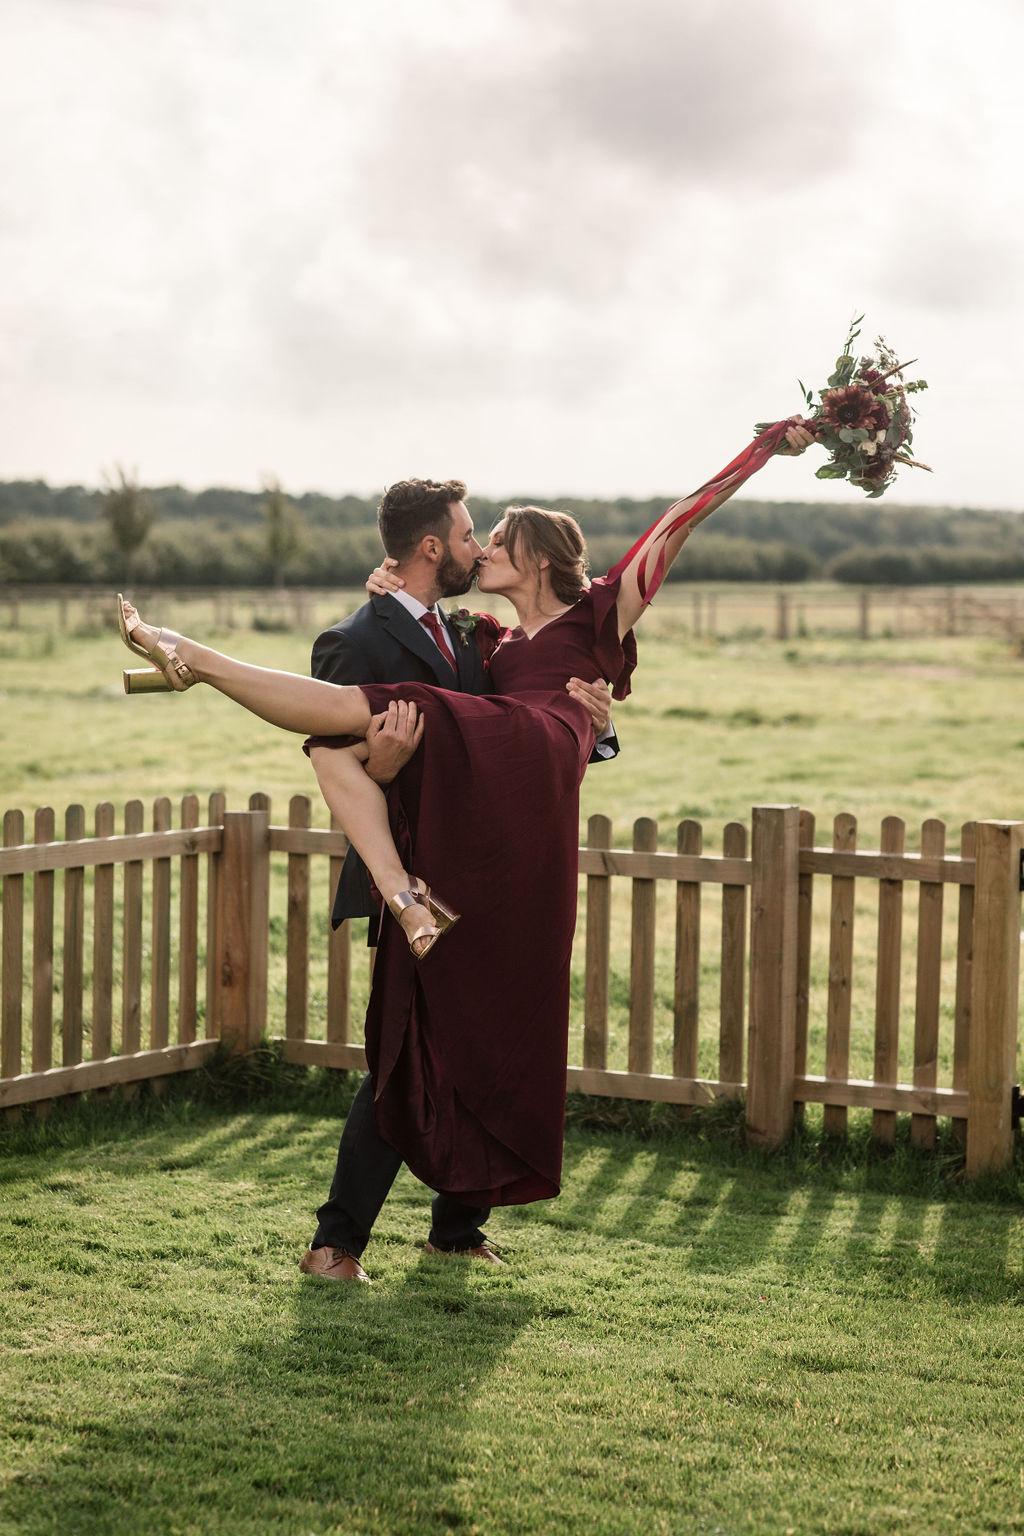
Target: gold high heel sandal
<point>170,672</point>
<point>427,935</point>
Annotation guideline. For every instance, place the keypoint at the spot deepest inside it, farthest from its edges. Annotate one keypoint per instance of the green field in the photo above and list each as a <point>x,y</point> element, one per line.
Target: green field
<point>914,725</point>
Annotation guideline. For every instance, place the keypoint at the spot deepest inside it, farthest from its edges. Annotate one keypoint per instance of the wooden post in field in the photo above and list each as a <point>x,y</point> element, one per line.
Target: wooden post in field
<point>243,888</point>
<point>864,621</point>
<point>782,616</point>
<point>775,874</point>
<point>994,993</point>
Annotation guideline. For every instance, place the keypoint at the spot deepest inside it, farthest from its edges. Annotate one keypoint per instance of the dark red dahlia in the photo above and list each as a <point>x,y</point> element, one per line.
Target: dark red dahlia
<point>878,468</point>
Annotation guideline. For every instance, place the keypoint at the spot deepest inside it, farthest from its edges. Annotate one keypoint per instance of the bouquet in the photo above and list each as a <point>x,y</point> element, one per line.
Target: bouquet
<point>864,417</point>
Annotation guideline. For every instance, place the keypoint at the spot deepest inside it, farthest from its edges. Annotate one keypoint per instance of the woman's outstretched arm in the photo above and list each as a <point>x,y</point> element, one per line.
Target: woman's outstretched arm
<point>662,543</point>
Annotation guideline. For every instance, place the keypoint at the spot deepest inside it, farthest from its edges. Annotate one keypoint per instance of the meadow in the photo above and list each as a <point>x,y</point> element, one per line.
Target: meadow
<point>907,723</point>
<point>691,1338</point>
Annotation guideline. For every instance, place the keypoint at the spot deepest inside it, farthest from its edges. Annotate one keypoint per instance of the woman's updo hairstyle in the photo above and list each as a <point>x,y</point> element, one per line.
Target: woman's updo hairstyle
<point>552,536</point>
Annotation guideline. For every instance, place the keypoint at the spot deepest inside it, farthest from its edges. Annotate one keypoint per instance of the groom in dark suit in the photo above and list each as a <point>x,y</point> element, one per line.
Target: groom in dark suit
<point>406,637</point>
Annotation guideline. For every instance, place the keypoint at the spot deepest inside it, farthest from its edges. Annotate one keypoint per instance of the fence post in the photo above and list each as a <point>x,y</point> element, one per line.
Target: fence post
<point>774,923</point>
<point>994,989</point>
<point>243,885</point>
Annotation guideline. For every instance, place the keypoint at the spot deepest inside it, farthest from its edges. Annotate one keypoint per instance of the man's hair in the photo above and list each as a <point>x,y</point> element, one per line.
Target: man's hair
<point>552,536</point>
<point>411,509</point>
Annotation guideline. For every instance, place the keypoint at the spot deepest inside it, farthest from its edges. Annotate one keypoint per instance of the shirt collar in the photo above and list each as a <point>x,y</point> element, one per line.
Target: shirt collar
<point>415,607</point>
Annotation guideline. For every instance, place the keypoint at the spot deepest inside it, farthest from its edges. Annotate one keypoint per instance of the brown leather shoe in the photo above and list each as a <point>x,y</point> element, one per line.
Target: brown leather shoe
<point>332,1264</point>
<point>483,1252</point>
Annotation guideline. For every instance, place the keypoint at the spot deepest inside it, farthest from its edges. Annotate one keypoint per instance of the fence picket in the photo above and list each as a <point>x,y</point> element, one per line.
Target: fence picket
<point>296,1004</point>
<point>929,976</point>
<point>641,956</point>
<point>13,957</point>
<point>74,941</point>
<point>160,978</point>
<point>887,985</point>
<point>215,818</point>
<point>689,839</point>
<point>42,950</point>
<point>840,973</point>
<point>188,929</point>
<point>598,951</point>
<point>131,962</point>
<point>339,963</point>
<point>102,942</point>
<point>733,979</point>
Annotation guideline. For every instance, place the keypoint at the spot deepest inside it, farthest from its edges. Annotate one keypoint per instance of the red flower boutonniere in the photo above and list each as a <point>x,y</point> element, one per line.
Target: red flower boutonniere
<point>463,622</point>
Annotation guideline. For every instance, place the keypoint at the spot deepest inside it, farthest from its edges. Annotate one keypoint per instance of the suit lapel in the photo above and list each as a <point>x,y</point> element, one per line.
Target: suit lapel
<point>399,623</point>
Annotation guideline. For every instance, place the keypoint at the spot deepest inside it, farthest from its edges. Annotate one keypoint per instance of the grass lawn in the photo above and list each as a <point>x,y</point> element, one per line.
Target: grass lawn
<point>690,1338</point>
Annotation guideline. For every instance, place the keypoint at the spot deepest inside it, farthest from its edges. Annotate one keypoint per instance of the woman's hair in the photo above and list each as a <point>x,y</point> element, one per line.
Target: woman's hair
<point>552,536</point>
<point>410,509</point>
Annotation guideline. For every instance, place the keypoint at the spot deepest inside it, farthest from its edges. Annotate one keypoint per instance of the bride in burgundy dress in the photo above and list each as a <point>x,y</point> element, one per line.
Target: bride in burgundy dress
<point>467,1028</point>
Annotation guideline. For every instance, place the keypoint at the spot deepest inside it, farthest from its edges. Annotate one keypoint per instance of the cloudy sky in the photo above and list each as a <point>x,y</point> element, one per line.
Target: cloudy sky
<point>552,246</point>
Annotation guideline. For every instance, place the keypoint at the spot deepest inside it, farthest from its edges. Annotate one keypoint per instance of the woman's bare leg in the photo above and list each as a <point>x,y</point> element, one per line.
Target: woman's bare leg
<point>286,699</point>
<point>360,809</point>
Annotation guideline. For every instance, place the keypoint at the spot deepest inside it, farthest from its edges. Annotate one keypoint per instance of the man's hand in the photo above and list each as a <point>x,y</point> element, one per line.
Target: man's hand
<point>392,739</point>
<point>382,581</point>
<point>595,697</point>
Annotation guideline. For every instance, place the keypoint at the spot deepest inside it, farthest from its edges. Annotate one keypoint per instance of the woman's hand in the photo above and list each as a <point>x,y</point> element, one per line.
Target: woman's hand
<point>382,581</point>
<point>798,437</point>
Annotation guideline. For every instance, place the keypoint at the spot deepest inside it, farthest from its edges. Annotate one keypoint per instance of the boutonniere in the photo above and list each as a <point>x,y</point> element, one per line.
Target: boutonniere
<point>463,622</point>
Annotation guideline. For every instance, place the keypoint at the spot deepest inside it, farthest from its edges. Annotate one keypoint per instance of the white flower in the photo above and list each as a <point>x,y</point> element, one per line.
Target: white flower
<point>869,448</point>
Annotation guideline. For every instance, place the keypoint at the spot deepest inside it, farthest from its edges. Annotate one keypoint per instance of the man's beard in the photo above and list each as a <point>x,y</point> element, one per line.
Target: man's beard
<point>452,578</point>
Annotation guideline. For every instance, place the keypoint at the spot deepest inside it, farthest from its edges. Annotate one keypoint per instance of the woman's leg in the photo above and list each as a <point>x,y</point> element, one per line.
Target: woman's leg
<point>285,699</point>
<point>359,807</point>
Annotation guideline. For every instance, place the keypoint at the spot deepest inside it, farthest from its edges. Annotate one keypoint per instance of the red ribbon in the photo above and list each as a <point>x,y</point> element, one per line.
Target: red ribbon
<point>754,457</point>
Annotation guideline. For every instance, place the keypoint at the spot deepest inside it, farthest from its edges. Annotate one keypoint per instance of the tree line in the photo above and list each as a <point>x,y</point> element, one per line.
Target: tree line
<point>169,536</point>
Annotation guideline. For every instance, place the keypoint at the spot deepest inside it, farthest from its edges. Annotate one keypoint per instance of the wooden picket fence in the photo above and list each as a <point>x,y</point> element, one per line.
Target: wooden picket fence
<point>181,944</point>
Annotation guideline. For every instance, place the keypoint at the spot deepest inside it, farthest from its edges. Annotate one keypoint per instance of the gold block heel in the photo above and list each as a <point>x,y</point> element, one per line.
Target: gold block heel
<point>144,680</point>
<point>427,935</point>
<point>171,674</point>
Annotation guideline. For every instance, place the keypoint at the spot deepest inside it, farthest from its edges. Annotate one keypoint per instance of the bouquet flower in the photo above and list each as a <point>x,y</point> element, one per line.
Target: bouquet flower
<point>864,417</point>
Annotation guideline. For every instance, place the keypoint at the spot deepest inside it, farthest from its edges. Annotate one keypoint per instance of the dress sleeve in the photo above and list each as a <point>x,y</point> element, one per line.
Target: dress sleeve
<point>487,633</point>
<point>615,657</point>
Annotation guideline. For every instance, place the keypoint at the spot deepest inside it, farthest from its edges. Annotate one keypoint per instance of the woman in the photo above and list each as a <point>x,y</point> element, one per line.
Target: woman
<point>467,1051</point>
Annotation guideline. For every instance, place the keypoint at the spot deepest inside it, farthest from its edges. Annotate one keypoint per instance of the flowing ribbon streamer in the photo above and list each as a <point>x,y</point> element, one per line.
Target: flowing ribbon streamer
<point>754,457</point>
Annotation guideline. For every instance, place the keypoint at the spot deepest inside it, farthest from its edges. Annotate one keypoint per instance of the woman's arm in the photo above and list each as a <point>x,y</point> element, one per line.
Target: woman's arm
<point>651,558</point>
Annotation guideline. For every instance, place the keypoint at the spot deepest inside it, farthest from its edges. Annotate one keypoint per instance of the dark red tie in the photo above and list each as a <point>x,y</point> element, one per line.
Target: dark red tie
<point>433,623</point>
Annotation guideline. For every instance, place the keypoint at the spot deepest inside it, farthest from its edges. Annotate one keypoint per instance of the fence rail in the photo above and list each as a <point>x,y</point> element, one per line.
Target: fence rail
<point>180,944</point>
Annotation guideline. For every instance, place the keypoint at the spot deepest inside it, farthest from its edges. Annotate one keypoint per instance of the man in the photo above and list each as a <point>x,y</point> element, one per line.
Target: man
<point>425,526</point>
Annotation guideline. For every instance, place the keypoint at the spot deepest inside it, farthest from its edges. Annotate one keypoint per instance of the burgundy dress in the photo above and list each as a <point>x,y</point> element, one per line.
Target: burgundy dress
<point>467,1048</point>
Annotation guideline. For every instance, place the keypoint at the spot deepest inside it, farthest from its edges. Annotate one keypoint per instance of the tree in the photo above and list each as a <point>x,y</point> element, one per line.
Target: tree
<point>284,529</point>
<point>129,515</point>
